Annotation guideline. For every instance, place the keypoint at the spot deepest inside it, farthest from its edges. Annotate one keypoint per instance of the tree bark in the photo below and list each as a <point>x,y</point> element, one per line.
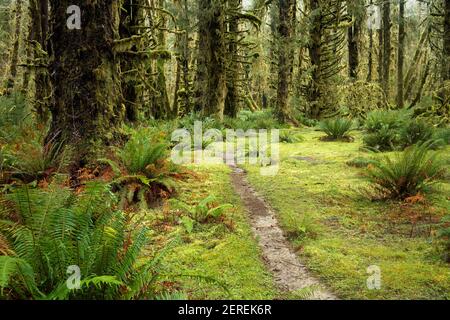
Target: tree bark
<point>353,50</point>
<point>285,58</point>
<point>370,52</point>
<point>201,56</point>
<point>15,49</point>
<point>37,59</point>
<point>231,102</point>
<point>401,54</point>
<point>386,47</point>
<point>211,60</point>
<point>130,66</point>
<point>83,72</point>
<point>380,56</point>
<point>446,42</point>
<point>315,51</point>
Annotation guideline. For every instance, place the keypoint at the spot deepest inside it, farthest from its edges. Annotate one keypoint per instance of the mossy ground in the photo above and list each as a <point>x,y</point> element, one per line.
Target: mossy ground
<point>340,232</point>
<point>218,260</point>
<point>337,229</point>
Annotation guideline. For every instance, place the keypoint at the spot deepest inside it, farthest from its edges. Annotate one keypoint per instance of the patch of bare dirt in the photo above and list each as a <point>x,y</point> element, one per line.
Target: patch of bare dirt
<point>288,271</point>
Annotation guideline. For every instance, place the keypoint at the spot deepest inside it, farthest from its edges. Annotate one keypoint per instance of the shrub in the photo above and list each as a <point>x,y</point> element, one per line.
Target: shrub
<point>384,139</point>
<point>415,131</point>
<point>410,172</point>
<point>143,173</point>
<point>302,119</point>
<point>442,136</point>
<point>290,136</point>
<point>359,98</point>
<point>383,129</point>
<point>31,161</point>
<point>142,152</point>
<point>391,119</point>
<point>204,210</point>
<point>336,129</point>
<point>50,230</point>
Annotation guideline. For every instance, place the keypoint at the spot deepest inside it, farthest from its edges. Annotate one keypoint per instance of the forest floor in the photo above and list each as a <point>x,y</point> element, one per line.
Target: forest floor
<point>331,224</point>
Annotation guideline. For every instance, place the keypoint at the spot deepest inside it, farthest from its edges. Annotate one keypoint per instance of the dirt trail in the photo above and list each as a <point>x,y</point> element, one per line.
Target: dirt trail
<point>289,273</point>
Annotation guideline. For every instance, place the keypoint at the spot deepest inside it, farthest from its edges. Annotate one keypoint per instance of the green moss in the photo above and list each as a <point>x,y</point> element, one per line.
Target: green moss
<point>346,233</point>
<point>230,257</point>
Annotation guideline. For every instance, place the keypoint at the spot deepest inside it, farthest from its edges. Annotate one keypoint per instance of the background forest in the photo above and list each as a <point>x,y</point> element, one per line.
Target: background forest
<point>359,89</point>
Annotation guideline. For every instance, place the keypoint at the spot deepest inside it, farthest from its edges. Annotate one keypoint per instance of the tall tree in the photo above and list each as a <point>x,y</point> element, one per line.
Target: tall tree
<point>37,58</point>
<point>285,57</point>
<point>83,73</point>
<point>232,98</point>
<point>130,63</point>
<point>211,59</point>
<point>370,49</point>
<point>15,47</point>
<point>446,42</point>
<point>386,46</point>
<point>353,32</point>
<point>401,54</point>
<point>161,103</point>
<point>380,48</point>
<point>325,45</point>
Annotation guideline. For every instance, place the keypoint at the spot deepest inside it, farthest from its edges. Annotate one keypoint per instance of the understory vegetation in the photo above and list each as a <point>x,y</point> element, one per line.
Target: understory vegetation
<point>333,114</point>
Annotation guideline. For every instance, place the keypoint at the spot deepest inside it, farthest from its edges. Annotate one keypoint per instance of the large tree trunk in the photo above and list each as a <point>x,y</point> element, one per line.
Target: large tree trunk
<point>386,47</point>
<point>15,48</point>
<point>401,54</point>
<point>315,48</point>
<point>380,56</point>
<point>185,58</point>
<point>83,72</point>
<point>370,57</point>
<point>446,42</point>
<point>130,65</point>
<point>285,57</point>
<point>161,104</point>
<point>370,53</point>
<point>211,61</point>
<point>201,56</point>
<point>353,50</point>
<point>37,59</point>
<point>231,101</point>
<point>217,87</point>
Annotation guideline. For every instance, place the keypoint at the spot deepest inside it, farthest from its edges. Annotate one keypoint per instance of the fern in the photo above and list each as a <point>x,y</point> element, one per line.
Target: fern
<point>57,229</point>
<point>203,210</point>
<point>410,172</point>
<point>336,129</point>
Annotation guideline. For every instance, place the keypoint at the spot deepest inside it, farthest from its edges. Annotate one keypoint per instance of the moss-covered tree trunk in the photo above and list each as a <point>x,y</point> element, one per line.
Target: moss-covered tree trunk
<point>380,54</point>
<point>446,42</point>
<point>370,48</point>
<point>161,99</point>
<point>285,58</point>
<point>130,64</point>
<point>386,47</point>
<point>37,58</point>
<point>401,54</point>
<point>231,102</point>
<point>353,49</point>
<point>201,59</point>
<point>315,52</point>
<point>84,77</point>
<point>15,48</point>
<point>211,84</point>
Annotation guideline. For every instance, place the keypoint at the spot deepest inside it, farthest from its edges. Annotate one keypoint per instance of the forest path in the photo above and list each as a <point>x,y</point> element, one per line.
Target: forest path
<point>289,273</point>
